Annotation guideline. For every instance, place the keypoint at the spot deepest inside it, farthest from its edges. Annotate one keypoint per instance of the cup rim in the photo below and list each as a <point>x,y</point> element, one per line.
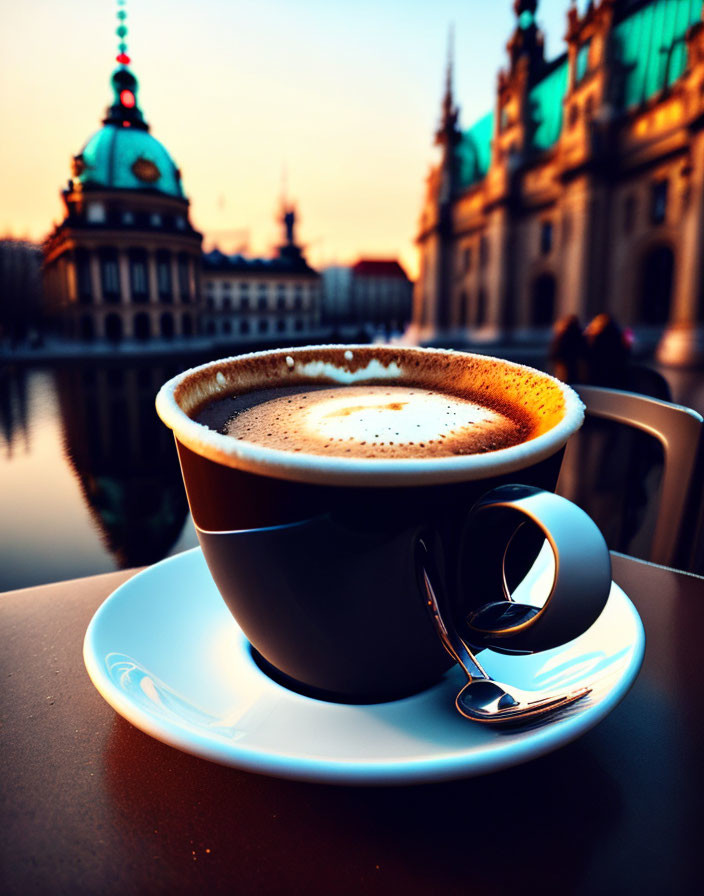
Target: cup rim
<point>330,470</point>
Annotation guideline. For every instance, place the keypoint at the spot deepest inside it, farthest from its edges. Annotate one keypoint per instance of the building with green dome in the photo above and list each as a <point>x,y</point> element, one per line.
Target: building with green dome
<point>124,264</point>
<point>581,192</point>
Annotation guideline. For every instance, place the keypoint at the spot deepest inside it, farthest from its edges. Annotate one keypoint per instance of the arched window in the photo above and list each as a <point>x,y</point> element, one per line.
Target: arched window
<point>480,313</point>
<point>113,328</point>
<point>87,328</point>
<point>656,279</point>
<point>543,301</point>
<point>163,275</point>
<point>186,325</point>
<point>83,279</point>
<point>142,326</point>
<point>166,325</point>
<point>139,280</point>
<point>184,277</point>
<point>462,315</point>
<point>110,275</point>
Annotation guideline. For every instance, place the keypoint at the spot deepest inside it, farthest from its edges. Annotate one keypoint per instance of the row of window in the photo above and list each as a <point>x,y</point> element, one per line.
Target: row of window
<point>246,327</point>
<point>227,288</point>
<point>139,277</point>
<point>99,213</point>
<point>658,213</point>
<point>244,304</point>
<point>141,327</point>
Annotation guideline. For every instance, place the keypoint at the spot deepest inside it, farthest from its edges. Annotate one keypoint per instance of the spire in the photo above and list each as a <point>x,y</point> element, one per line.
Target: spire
<point>449,110</point>
<point>124,110</point>
<point>527,40</point>
<point>448,135</point>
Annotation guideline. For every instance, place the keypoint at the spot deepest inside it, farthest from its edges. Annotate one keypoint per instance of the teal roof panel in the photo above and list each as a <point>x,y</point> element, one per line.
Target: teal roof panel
<point>129,159</point>
<point>649,49</point>
<point>475,150</point>
<point>546,107</point>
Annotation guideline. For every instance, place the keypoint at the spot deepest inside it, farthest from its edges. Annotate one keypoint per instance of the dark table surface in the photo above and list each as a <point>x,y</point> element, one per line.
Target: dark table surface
<point>90,804</point>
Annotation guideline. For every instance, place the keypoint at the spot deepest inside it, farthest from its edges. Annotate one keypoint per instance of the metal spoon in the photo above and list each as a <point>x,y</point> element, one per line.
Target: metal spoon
<point>482,699</point>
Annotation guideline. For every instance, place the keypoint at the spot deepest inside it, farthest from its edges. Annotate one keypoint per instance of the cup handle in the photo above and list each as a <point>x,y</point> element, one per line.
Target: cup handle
<point>581,583</point>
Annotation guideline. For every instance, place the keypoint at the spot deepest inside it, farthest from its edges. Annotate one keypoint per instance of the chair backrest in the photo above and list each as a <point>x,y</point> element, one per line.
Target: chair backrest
<point>679,431</point>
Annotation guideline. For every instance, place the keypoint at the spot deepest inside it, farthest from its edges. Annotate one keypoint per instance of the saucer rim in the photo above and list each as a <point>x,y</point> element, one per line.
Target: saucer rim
<point>439,766</point>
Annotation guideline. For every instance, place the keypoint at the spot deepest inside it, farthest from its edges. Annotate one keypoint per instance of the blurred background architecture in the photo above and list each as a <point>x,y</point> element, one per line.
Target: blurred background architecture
<point>263,299</point>
<point>371,299</point>
<point>581,192</point>
<point>125,261</point>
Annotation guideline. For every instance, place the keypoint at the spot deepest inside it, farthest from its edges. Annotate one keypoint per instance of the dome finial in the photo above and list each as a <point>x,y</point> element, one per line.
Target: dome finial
<point>124,111</point>
<point>121,32</point>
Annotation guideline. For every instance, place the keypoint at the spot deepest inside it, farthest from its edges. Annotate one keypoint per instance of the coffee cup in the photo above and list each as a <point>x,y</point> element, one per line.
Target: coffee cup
<point>313,475</point>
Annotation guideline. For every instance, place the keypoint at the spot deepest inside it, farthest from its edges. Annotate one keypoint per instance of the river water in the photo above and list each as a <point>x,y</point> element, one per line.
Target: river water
<point>89,479</point>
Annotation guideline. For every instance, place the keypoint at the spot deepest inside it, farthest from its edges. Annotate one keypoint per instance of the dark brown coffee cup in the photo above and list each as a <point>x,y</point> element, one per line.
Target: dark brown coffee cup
<point>316,555</point>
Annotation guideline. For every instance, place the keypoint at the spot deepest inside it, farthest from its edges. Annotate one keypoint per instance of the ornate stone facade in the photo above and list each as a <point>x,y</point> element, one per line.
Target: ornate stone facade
<point>583,192</point>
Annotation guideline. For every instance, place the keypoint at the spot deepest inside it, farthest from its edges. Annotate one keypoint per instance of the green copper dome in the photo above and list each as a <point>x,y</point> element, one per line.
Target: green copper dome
<point>123,155</point>
<point>127,158</point>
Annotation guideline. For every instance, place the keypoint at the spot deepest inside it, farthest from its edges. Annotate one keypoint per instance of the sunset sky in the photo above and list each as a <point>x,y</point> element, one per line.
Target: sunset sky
<point>343,96</point>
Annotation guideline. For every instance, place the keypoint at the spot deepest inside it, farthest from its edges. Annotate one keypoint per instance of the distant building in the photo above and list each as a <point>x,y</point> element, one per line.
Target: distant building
<point>262,299</point>
<point>583,191</point>
<point>381,294</point>
<point>20,289</point>
<point>337,294</point>
<point>372,296</point>
<point>125,260</point>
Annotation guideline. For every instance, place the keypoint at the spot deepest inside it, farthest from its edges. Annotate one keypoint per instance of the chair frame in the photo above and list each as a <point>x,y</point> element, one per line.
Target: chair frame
<point>679,430</point>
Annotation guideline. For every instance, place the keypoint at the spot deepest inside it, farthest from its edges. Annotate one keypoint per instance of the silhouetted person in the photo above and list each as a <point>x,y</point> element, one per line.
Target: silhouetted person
<point>568,350</point>
<point>608,353</point>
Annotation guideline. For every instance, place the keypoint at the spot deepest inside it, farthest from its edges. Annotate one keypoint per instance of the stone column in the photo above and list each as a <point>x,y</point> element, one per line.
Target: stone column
<point>682,343</point>
<point>152,277</point>
<point>95,280</point>
<point>123,268</point>
<point>175,282</point>
<point>68,279</point>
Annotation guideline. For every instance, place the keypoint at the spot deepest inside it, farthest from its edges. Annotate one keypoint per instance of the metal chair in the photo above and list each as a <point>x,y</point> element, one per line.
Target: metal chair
<point>679,431</point>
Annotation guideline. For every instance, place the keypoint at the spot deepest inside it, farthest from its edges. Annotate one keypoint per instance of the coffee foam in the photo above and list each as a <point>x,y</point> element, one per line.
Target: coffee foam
<point>552,408</point>
<point>381,421</point>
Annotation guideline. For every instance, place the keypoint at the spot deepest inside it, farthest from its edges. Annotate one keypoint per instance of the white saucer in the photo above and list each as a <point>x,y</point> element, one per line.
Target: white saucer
<point>166,654</point>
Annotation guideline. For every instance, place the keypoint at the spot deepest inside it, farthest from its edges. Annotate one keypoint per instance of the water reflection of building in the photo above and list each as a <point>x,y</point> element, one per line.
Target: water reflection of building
<point>125,261</point>
<point>14,407</point>
<point>262,299</point>
<point>583,191</point>
<point>124,457</point>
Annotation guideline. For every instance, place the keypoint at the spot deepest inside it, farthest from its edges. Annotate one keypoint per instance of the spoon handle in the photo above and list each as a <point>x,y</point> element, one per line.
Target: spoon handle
<point>450,638</point>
